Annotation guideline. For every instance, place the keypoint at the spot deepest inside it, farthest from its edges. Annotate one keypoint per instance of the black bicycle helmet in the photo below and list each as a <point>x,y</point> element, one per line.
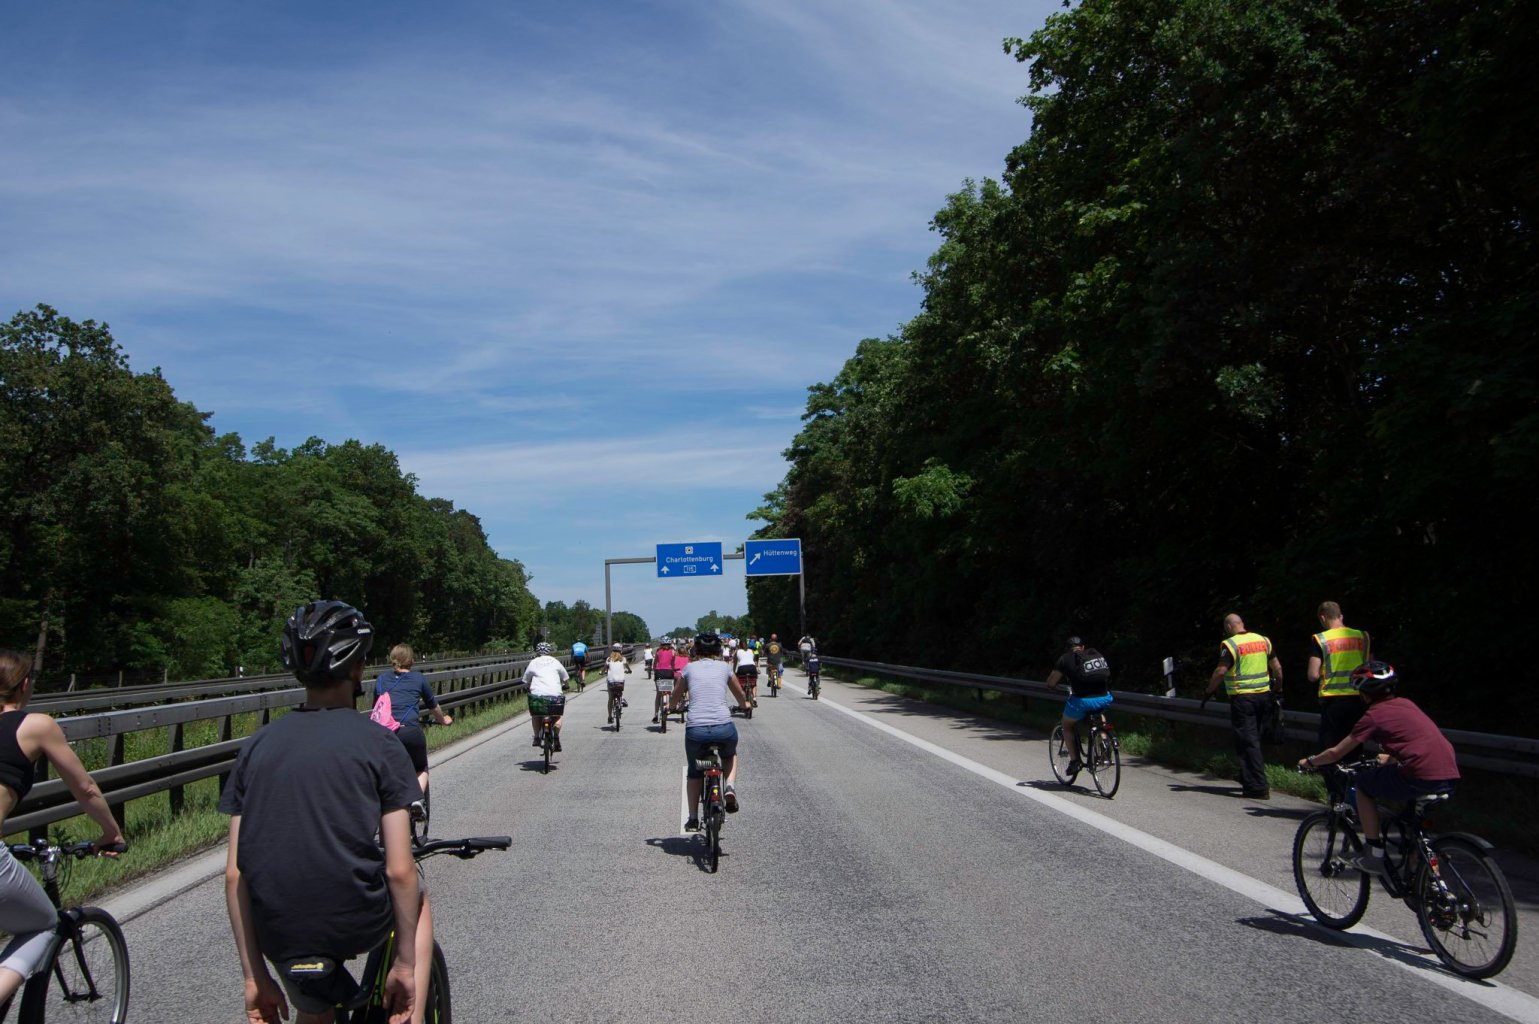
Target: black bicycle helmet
<point>324,640</point>
<point>1073,642</point>
<point>708,645</point>
<point>1373,677</point>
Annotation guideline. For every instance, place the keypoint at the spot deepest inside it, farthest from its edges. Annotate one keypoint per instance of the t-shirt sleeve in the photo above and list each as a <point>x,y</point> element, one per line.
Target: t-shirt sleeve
<point>1224,657</point>
<point>1363,729</point>
<point>234,795</point>
<point>1065,665</point>
<point>428,698</point>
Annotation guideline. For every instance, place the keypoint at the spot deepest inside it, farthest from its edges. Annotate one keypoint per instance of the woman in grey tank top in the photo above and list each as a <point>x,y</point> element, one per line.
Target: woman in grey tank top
<point>710,687</point>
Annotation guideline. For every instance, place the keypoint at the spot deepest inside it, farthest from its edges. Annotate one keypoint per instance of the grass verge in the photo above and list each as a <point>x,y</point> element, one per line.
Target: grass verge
<point>1496,807</point>
<point>157,838</point>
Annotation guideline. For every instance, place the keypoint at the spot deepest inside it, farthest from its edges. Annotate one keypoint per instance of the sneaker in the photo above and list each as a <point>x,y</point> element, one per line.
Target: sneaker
<point>418,810</point>
<point>729,797</point>
<point>1370,863</point>
<point>537,742</point>
<point>1073,769</point>
<point>624,703</point>
<point>654,719</point>
<point>557,747</point>
<point>692,825</point>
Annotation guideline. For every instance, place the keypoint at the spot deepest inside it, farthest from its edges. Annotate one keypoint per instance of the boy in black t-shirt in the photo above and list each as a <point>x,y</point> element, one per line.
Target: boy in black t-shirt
<point>305,878</point>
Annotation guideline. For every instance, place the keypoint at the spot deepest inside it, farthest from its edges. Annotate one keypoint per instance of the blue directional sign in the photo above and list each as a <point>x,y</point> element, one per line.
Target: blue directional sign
<point>689,560</point>
<point>773,557</point>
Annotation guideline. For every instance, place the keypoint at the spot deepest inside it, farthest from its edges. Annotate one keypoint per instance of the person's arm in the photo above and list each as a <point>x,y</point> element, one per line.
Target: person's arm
<point>1217,678</point>
<point>401,875</point>
<point>50,740</point>
<point>679,695</point>
<point>430,699</point>
<point>265,1003</point>
<point>1330,756</point>
<point>1053,679</point>
<point>1313,672</point>
<point>1274,671</point>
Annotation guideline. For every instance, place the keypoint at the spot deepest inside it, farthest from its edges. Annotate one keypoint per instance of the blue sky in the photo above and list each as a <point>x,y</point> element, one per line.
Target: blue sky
<point>576,264</point>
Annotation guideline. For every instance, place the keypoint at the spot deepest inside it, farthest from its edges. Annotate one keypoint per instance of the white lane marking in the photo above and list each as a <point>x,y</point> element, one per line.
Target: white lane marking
<point>1491,994</point>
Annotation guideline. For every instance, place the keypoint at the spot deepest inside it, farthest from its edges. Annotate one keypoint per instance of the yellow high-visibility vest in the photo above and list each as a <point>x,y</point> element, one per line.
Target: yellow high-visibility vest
<point>1248,672</point>
<point>1341,650</point>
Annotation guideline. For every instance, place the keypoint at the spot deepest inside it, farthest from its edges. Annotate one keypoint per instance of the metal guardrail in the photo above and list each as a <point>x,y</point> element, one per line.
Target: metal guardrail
<point>1507,755</point>
<point>75,701</point>
<point>50,800</point>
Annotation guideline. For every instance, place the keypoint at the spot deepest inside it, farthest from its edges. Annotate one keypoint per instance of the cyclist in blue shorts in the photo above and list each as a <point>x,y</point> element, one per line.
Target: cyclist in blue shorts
<point>1088,673</point>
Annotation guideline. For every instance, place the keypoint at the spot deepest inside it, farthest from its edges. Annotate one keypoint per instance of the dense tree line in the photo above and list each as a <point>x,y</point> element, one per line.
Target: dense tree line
<point>1248,323</point>
<point>134,537</point>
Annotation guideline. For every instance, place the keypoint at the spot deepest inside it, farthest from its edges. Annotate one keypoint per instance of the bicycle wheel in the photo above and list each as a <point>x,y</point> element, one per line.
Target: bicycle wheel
<point>1335,892</point>
<point>437,1005</point>
<point>549,745</point>
<point>1059,756</point>
<point>88,980</point>
<point>1469,919</point>
<point>1105,762</point>
<point>617,716</point>
<point>662,720</point>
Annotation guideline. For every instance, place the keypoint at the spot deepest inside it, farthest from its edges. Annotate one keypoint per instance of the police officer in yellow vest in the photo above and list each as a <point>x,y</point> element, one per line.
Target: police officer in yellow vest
<point>1338,651</point>
<point>1248,670</point>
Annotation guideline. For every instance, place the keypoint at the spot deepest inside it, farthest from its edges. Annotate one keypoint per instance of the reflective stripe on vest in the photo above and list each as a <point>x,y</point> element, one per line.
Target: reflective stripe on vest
<point>1250,653</point>
<point>1342,650</point>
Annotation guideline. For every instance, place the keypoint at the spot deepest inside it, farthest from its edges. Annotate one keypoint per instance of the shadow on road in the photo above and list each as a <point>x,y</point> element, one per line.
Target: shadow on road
<point>1233,791</point>
<point>692,847</point>
<point>537,765</point>
<point>1293,813</point>
<point>1281,923</point>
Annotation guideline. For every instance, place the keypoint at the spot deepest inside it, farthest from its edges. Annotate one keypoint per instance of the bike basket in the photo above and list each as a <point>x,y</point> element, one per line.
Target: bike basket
<point>547,706</point>
<point>665,686</point>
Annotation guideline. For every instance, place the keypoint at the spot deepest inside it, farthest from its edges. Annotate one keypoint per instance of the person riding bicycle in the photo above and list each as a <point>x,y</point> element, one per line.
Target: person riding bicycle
<point>774,657</point>
<point>813,666</point>
<point>305,877</point>
<point>707,684</point>
<point>1087,672</point>
<point>1417,759</point>
<point>579,660</point>
<point>408,690</point>
<point>646,658</point>
<point>546,678</point>
<point>747,671</point>
<point>616,669</point>
<point>662,672</point>
<point>26,913</point>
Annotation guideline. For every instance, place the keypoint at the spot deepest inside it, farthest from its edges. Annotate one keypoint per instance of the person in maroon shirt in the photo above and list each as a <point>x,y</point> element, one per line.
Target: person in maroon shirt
<point>1417,759</point>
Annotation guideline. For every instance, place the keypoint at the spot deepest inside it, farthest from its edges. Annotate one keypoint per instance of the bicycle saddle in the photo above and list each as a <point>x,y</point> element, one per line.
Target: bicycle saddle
<point>326,979</point>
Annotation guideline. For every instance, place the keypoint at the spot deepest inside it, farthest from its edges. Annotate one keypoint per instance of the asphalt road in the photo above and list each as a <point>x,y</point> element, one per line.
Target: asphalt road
<point>892,862</point>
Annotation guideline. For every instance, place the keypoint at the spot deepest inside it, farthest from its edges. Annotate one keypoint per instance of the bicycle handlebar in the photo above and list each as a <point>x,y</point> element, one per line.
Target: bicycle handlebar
<point>461,848</point>
<point>81,850</point>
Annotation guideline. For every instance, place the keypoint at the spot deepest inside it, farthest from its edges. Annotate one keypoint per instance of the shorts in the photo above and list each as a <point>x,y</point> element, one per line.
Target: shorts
<point>415,742</point>
<point>617,687</point>
<point>746,672</point>
<point>1385,782</point>
<point>662,673</point>
<point>1078,707</point>
<point>547,707</point>
<point>698,737</point>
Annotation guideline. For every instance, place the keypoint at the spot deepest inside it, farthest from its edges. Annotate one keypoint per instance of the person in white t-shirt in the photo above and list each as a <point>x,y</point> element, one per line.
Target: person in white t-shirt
<point>711,689</point>
<point>547,679</point>
<point>746,668</point>
<point>615,671</point>
<point>646,658</point>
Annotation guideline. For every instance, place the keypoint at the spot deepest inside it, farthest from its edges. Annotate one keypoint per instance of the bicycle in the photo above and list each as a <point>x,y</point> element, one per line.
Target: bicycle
<point>774,679</point>
<point>715,807</point>
<point>665,692</point>
<point>579,671</point>
<point>814,677</point>
<point>1460,896</point>
<point>87,957</point>
<point>1100,752</point>
<point>357,1003</point>
<point>616,705</point>
<point>548,709</point>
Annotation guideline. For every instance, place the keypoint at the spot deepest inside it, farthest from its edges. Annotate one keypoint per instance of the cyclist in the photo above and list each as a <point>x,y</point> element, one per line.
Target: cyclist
<point>646,658</point>
<point>774,657</point>
<point>681,656</point>
<point>1417,760</point>
<point>1087,672</point>
<point>579,663</point>
<point>547,679</point>
<point>805,647</point>
<point>616,669</point>
<point>747,671</point>
<point>25,911</point>
<point>813,666</point>
<point>407,690</point>
<point>707,684</point>
<point>305,877</point>
<point>662,672</point>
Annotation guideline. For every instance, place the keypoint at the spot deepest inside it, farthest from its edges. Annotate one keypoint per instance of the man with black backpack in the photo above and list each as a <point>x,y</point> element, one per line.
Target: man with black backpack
<point>1088,674</point>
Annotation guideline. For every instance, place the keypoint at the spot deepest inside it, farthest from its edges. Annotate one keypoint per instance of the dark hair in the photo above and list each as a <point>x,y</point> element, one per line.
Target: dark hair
<point>15,667</point>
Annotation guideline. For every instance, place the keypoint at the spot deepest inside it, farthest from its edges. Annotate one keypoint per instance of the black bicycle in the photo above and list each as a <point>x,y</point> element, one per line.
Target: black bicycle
<point>616,705</point>
<point>1099,751</point>
<point>548,710</point>
<point>328,979</point>
<point>1460,896</point>
<point>715,810</point>
<point>86,978</point>
<point>814,676</point>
